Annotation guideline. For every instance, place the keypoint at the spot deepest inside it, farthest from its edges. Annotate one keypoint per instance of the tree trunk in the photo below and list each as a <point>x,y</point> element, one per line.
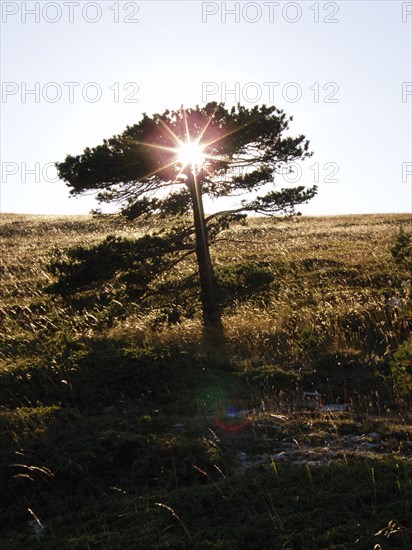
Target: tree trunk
<point>213,335</point>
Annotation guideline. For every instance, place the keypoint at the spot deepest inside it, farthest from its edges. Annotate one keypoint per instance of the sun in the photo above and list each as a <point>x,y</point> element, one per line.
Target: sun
<point>191,153</point>
<point>187,151</point>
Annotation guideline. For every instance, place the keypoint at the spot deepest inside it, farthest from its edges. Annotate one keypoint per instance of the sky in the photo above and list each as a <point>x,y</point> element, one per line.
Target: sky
<point>76,72</point>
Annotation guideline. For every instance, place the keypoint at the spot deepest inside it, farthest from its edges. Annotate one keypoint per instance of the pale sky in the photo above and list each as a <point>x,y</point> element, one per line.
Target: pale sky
<point>75,72</point>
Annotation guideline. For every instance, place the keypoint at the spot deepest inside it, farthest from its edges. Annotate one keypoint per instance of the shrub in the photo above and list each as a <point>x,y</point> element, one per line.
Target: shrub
<point>116,268</point>
<point>243,281</point>
<point>401,371</point>
<point>402,248</point>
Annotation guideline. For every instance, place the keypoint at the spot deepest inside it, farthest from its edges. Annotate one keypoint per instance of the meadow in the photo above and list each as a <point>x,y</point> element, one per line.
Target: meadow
<point>118,432</point>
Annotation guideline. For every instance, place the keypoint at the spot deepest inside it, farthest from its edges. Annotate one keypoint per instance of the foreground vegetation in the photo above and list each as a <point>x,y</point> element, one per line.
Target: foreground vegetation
<point>117,432</point>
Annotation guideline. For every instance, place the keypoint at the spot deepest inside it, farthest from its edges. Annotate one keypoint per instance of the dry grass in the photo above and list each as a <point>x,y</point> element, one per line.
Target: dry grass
<point>334,278</point>
<point>110,439</point>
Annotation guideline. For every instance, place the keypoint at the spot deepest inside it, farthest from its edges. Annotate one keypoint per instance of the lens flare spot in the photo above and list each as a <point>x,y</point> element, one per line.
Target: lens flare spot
<point>229,419</point>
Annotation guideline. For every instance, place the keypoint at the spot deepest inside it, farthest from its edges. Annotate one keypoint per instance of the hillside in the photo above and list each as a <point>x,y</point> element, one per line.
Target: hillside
<point>117,432</point>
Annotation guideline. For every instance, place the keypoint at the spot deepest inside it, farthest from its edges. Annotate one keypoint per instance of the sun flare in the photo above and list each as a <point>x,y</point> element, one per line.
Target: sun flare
<point>187,151</point>
<point>191,153</point>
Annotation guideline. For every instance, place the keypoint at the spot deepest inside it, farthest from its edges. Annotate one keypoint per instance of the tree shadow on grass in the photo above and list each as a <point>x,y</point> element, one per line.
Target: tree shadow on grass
<point>107,372</point>
<point>104,419</point>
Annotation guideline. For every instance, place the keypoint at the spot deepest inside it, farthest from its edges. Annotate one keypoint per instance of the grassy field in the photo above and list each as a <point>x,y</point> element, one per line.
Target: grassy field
<point>117,432</point>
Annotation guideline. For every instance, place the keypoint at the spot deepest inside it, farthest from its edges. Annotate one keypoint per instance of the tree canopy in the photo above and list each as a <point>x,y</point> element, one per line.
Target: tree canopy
<point>244,149</point>
<point>166,163</point>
